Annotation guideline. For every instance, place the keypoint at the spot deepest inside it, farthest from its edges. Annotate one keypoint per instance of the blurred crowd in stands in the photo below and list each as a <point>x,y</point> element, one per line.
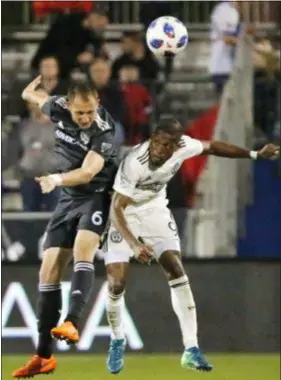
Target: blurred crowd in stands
<point>226,25</point>
<point>74,48</point>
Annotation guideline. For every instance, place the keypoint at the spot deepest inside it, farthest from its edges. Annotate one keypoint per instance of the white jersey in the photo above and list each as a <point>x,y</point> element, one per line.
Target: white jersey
<point>135,179</point>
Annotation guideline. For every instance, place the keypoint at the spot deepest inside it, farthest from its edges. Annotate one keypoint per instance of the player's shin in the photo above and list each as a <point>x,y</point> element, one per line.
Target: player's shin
<point>114,310</point>
<point>81,286</point>
<point>184,307</point>
<point>48,314</point>
<point>85,246</point>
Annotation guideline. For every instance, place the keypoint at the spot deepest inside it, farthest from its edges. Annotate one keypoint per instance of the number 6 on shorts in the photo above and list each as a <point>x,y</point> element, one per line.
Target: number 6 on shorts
<point>97,218</point>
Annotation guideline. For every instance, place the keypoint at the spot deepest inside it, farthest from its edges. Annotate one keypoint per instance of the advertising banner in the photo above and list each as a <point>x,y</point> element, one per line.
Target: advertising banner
<point>238,307</point>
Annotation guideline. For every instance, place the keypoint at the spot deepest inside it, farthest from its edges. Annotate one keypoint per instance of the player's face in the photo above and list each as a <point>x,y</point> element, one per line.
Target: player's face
<point>162,146</point>
<point>83,111</point>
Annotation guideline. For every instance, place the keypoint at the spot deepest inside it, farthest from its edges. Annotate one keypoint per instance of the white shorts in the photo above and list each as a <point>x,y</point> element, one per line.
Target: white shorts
<point>156,226</point>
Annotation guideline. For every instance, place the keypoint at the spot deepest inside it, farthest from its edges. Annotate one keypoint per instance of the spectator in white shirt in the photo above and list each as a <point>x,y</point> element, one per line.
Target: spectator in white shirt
<point>225,25</point>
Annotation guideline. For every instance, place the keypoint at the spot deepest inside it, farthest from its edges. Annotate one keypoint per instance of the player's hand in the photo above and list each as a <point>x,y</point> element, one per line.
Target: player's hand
<point>46,183</point>
<point>143,253</point>
<point>269,151</point>
<point>35,83</point>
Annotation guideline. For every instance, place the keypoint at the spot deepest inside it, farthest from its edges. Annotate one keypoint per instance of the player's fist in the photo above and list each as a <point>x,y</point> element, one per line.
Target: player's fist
<point>269,151</point>
<point>46,183</point>
<point>143,253</point>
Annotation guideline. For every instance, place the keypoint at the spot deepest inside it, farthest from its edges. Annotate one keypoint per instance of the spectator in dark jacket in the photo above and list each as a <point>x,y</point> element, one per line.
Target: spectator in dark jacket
<point>110,94</point>
<point>32,143</point>
<point>137,54</point>
<point>109,91</point>
<point>51,82</point>
<point>138,106</point>
<point>69,37</point>
<point>50,73</point>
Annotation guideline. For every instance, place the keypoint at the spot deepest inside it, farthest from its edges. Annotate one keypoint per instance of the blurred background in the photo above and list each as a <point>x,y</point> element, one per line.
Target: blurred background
<point>225,85</point>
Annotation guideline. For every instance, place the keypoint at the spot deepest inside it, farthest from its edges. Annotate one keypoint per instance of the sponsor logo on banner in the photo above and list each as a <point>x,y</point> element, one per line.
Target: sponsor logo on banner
<point>16,298</point>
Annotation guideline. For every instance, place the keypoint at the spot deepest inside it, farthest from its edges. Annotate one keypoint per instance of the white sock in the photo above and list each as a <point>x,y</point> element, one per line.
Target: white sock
<point>185,309</point>
<point>114,310</point>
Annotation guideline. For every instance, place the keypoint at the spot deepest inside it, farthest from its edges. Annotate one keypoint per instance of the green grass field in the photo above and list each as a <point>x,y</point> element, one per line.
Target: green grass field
<point>157,367</point>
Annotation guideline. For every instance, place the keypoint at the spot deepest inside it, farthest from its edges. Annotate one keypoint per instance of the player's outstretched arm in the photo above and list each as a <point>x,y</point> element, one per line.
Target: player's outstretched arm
<point>222,149</point>
<point>30,94</point>
<point>118,205</point>
<point>92,165</point>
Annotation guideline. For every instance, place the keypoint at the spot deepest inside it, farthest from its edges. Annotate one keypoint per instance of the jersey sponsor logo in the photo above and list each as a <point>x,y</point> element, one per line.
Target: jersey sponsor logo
<point>105,147</point>
<point>85,138</point>
<point>116,237</point>
<point>155,187</point>
<point>70,140</point>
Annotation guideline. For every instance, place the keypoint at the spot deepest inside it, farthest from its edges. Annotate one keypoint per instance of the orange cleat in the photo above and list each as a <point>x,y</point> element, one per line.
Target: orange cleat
<point>66,331</point>
<point>36,366</point>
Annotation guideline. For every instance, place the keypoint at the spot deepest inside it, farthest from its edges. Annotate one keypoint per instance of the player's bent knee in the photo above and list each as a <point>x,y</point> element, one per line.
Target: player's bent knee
<point>117,277</point>
<point>116,286</point>
<point>85,245</point>
<point>172,265</point>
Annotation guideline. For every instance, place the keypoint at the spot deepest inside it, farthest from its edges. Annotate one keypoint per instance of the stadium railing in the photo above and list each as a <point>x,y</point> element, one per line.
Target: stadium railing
<point>226,184</point>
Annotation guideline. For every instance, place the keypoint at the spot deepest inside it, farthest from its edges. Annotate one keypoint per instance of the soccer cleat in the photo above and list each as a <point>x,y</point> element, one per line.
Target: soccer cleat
<point>66,331</point>
<point>36,366</point>
<point>115,358</point>
<point>192,358</point>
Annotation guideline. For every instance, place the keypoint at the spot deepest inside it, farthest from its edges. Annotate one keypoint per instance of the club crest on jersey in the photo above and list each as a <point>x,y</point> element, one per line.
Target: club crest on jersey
<point>105,147</point>
<point>116,237</point>
<point>85,138</point>
<point>172,226</point>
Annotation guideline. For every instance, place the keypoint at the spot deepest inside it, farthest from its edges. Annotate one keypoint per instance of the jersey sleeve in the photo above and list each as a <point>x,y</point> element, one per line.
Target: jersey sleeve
<point>54,106</point>
<point>191,147</point>
<point>127,177</point>
<point>104,145</point>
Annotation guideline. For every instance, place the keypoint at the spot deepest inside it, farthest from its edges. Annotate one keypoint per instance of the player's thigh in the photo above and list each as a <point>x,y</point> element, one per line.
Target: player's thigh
<point>117,275</point>
<point>115,247</point>
<point>93,216</point>
<point>61,229</point>
<point>160,231</point>
<point>85,245</point>
<point>54,262</point>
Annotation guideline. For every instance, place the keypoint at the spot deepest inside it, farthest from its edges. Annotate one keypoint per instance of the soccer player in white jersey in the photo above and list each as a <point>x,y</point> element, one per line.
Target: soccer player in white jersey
<point>142,225</point>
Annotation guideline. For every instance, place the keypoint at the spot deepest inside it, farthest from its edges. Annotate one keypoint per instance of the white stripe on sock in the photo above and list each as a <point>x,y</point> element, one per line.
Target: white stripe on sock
<point>48,288</point>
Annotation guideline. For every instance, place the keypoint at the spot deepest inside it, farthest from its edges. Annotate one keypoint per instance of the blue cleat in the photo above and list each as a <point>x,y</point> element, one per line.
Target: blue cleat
<point>115,359</point>
<point>192,358</point>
